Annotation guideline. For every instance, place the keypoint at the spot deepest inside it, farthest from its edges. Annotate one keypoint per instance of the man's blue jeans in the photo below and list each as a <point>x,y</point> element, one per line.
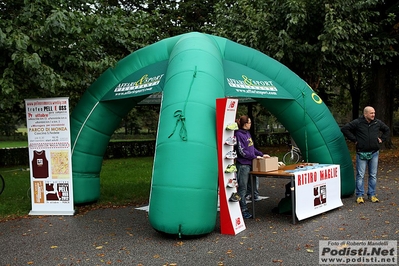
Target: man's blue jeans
<point>242,179</point>
<point>372,166</point>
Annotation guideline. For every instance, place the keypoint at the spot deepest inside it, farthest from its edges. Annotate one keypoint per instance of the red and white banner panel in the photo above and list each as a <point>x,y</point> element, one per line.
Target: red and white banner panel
<point>231,220</point>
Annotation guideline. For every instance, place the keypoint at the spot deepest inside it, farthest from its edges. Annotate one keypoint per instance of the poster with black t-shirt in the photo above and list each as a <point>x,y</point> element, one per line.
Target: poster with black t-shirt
<point>50,156</point>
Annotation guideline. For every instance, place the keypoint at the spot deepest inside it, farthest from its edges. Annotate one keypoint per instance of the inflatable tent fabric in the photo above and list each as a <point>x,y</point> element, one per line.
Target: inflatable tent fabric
<point>193,70</point>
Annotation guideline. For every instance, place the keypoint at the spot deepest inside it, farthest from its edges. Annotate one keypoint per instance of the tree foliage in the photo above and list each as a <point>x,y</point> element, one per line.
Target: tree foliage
<point>285,30</point>
<point>58,48</point>
<point>356,40</point>
<point>341,48</point>
<point>333,45</point>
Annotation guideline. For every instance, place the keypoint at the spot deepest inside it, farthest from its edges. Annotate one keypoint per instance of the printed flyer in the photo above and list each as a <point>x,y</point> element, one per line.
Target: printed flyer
<point>49,143</point>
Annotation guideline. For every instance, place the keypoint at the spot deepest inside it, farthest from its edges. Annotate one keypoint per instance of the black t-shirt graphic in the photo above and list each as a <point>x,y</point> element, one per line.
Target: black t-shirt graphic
<point>40,164</point>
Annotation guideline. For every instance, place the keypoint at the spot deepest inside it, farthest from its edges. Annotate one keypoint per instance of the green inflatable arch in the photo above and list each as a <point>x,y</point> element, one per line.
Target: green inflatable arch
<point>193,70</point>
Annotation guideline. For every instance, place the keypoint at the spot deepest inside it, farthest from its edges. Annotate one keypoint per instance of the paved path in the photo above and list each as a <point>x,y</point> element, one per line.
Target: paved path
<point>123,236</point>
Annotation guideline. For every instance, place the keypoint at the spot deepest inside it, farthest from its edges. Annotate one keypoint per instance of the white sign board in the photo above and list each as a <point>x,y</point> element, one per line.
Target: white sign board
<point>50,156</point>
<point>317,189</point>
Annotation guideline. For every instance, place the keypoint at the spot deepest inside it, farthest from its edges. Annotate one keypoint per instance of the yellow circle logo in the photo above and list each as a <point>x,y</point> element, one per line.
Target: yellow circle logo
<point>316,98</point>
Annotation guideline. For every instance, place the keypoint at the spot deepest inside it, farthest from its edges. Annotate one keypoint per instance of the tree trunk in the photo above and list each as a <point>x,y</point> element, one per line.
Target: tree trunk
<point>355,92</point>
<point>381,93</point>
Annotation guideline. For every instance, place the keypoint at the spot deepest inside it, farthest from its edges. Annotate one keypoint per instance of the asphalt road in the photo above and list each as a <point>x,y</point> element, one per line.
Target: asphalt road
<point>123,236</point>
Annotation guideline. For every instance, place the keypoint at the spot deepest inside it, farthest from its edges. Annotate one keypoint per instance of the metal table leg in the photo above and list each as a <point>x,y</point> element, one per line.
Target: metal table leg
<point>252,194</point>
<point>293,207</point>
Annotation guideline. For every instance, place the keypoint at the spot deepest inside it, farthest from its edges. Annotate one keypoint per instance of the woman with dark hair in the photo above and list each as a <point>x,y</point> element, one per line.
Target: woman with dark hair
<point>246,152</point>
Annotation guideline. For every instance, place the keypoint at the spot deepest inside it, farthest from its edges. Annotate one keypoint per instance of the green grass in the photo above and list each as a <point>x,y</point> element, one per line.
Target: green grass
<point>16,141</point>
<point>14,200</point>
<point>13,144</point>
<point>126,181</point>
<point>122,182</point>
<point>22,130</point>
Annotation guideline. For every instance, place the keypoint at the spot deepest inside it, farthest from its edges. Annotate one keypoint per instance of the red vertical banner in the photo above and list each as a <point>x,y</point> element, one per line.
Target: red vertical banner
<point>231,220</point>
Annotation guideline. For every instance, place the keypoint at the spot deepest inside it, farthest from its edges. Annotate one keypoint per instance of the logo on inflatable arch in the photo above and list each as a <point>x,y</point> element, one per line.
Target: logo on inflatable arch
<point>143,82</point>
<point>248,83</point>
<point>316,98</point>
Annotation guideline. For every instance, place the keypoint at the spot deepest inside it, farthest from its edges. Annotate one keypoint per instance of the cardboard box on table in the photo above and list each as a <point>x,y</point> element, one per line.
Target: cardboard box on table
<point>265,164</point>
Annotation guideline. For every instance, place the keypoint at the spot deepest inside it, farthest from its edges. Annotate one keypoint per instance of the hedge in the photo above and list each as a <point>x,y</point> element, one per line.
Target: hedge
<point>20,156</point>
<point>126,149</point>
